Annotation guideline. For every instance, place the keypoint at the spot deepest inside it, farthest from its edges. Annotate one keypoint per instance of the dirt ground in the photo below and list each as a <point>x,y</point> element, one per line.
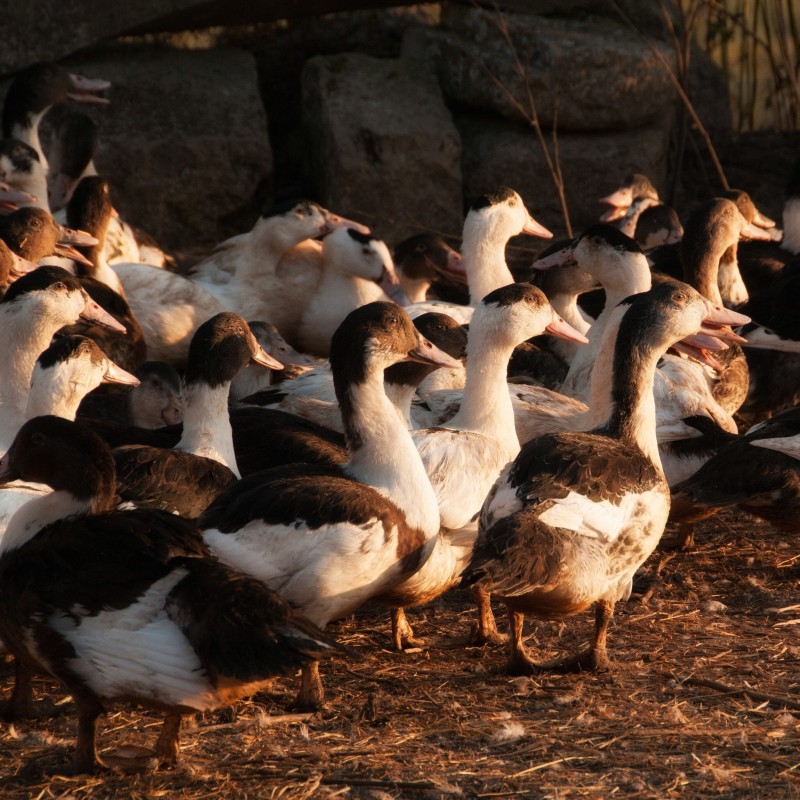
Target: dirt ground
<point>703,701</point>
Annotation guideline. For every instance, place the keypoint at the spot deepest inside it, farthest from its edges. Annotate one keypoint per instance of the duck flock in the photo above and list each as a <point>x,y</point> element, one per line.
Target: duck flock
<point>201,470</point>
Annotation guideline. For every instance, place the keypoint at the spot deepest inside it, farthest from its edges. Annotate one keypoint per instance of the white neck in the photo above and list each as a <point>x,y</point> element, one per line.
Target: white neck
<point>401,395</point>
<point>602,377</point>
<point>207,425</point>
<point>732,289</point>
<point>387,458</point>
<point>791,225</point>
<point>30,518</point>
<point>57,394</point>
<point>416,289</point>
<point>35,184</point>
<point>484,259</point>
<point>632,276</point>
<point>24,334</point>
<point>104,273</point>
<point>261,250</point>
<point>486,406</point>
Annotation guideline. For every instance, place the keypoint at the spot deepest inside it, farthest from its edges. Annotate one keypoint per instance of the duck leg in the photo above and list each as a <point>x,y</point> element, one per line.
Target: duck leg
<point>485,631</point>
<point>20,704</point>
<point>169,740</point>
<point>402,632</point>
<point>311,695</point>
<point>85,759</point>
<point>595,657</point>
<point>519,662</point>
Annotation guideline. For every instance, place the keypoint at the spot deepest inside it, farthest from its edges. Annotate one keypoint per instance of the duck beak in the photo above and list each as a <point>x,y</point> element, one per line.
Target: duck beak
<point>760,338</point>
<point>675,236</point>
<point>723,333</point>
<point>96,315</point>
<point>788,445</point>
<point>333,221</point>
<point>426,352</point>
<point>263,358</point>
<point>561,258</point>
<point>751,231</point>
<point>534,228</point>
<point>390,284</point>
<point>83,90</point>
<point>11,197</point>
<point>699,347</point>
<point>454,266</point>
<point>78,238</point>
<point>674,431</point>
<point>70,252</point>
<point>21,266</point>
<point>620,201</point>
<point>717,316</point>
<point>561,328</point>
<point>763,221</point>
<point>115,374</point>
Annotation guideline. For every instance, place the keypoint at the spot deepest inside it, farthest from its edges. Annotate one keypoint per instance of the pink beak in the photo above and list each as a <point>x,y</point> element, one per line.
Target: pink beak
<point>534,228</point>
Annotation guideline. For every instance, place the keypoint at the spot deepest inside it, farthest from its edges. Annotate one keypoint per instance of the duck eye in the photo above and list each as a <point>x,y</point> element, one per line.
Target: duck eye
<point>38,438</point>
<point>59,287</point>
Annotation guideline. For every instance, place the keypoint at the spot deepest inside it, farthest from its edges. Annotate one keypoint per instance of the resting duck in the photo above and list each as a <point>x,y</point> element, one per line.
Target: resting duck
<point>636,195</point>
<point>464,457</point>
<point>156,402</point>
<point>572,518</point>
<point>329,540</point>
<point>186,479</point>
<point>170,307</point>
<point>490,222</point>
<point>758,472</point>
<point>356,269</point>
<point>150,635</point>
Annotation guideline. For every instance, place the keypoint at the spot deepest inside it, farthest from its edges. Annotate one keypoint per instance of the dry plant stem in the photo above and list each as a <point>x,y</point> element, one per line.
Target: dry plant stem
<point>778,700</point>
<point>530,115</point>
<point>681,93</point>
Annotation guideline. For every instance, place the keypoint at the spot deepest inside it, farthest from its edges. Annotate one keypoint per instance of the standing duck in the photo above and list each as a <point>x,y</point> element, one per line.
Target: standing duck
<point>186,479</point>
<point>572,518</point>
<point>329,540</point>
<point>150,635</point>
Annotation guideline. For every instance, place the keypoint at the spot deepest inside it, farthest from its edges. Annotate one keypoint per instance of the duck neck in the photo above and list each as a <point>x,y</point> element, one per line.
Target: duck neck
<point>632,277</point>
<point>261,251</point>
<point>382,453</point>
<point>400,383</point>
<point>702,273</point>
<point>602,379</point>
<point>486,406</point>
<point>732,289</point>
<point>24,334</point>
<point>60,397</point>
<point>27,130</point>
<point>40,511</point>
<point>791,225</point>
<point>207,426</point>
<point>484,254</point>
<point>633,408</point>
<point>416,289</point>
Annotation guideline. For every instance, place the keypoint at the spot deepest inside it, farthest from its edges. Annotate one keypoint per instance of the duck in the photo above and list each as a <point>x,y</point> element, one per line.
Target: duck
<point>157,402</point>
<point>635,195</point>
<point>757,472</point>
<point>464,457</point>
<point>257,378</point>
<point>71,160</point>
<point>186,479</point>
<point>90,209</point>
<point>424,261</point>
<point>170,307</point>
<point>33,308</point>
<point>149,636</point>
<point>658,226</point>
<point>330,539</point>
<point>357,269</point>
<point>12,266</point>
<point>491,221</point>
<point>312,395</point>
<point>571,519</point>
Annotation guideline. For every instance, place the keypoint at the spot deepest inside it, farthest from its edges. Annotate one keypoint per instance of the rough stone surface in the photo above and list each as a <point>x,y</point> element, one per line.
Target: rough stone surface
<point>584,74</point>
<point>183,141</point>
<point>36,30</point>
<point>383,147</point>
<point>497,152</point>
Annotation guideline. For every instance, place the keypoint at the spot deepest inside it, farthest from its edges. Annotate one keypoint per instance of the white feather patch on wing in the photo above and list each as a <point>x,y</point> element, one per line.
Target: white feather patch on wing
<point>137,651</point>
<point>595,519</point>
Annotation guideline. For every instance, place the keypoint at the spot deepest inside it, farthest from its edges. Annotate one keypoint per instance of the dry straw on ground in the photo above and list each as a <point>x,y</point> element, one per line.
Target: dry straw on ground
<point>703,702</point>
